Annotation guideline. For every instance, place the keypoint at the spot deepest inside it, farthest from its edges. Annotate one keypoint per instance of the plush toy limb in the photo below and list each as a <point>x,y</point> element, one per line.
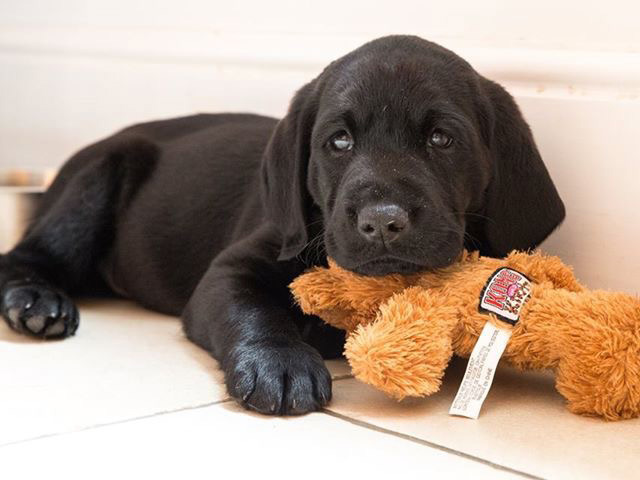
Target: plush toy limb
<point>600,369</point>
<point>319,292</point>
<point>541,268</point>
<point>406,350</point>
<point>342,298</point>
<point>592,339</point>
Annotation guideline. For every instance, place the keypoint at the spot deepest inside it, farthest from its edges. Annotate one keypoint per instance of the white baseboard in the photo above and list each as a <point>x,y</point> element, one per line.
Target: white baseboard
<point>610,74</point>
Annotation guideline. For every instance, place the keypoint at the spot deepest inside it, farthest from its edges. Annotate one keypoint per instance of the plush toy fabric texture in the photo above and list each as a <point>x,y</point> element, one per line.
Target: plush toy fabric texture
<point>403,330</point>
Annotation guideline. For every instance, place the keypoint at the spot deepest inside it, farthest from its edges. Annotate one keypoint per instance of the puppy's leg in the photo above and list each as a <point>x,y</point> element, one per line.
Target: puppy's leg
<point>242,313</point>
<point>72,230</point>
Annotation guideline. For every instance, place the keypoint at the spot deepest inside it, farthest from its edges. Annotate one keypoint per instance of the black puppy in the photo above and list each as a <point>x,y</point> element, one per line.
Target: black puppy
<point>396,157</point>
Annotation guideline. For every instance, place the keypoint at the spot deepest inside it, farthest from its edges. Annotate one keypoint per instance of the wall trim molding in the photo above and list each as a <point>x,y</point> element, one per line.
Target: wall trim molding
<point>610,74</point>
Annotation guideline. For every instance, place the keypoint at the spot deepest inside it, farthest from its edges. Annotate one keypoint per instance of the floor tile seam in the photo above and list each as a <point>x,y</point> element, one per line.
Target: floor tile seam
<point>427,443</point>
<point>136,418</point>
<point>116,422</point>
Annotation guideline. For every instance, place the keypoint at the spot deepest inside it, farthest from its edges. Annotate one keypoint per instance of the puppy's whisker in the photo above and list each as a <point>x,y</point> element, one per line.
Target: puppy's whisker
<point>320,248</point>
<point>471,214</point>
<point>314,222</point>
<point>313,246</point>
<point>474,241</point>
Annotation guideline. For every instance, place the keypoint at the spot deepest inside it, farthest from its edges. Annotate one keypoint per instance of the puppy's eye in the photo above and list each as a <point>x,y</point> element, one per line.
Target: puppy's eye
<point>440,139</point>
<point>341,142</point>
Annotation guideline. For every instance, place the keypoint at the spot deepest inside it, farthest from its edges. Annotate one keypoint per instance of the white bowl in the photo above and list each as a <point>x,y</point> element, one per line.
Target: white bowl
<point>20,191</point>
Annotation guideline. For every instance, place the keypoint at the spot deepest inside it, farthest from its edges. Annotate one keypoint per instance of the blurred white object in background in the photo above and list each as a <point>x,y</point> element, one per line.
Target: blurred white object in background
<point>20,191</point>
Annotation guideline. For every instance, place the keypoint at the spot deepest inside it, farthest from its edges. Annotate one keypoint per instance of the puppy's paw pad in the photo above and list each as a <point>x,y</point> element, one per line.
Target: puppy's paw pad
<point>38,310</point>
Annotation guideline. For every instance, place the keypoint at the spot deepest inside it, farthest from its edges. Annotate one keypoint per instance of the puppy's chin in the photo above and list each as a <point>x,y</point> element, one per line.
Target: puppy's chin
<point>386,265</point>
<point>356,257</point>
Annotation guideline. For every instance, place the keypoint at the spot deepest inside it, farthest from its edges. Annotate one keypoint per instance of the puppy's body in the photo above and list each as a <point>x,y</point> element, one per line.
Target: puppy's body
<point>202,195</point>
<point>392,160</point>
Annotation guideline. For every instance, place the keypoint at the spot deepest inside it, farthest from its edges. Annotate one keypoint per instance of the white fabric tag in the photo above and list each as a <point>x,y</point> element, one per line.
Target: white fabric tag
<point>480,370</point>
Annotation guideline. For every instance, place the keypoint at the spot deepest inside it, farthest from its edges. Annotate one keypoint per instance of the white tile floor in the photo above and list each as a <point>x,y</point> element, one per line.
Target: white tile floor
<point>130,395</point>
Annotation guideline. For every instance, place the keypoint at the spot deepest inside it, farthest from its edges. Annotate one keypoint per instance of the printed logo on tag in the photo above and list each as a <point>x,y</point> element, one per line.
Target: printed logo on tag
<point>505,294</point>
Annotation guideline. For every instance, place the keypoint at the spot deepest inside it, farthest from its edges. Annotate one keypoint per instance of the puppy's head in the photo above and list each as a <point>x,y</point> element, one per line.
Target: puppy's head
<point>399,155</point>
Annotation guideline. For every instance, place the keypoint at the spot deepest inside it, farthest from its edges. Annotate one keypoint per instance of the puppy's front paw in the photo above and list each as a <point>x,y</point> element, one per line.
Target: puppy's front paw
<point>38,310</point>
<point>278,377</point>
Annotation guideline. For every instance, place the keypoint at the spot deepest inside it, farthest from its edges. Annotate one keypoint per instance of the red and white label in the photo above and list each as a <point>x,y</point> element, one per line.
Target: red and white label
<point>505,294</point>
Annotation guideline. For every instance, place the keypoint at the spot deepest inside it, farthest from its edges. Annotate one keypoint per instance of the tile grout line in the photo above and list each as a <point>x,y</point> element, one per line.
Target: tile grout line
<point>117,422</point>
<point>427,443</point>
<point>133,419</point>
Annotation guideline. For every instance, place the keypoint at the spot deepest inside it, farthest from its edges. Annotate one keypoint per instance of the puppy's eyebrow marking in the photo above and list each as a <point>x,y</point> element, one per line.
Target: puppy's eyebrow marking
<point>444,113</point>
<point>349,118</point>
<point>330,122</point>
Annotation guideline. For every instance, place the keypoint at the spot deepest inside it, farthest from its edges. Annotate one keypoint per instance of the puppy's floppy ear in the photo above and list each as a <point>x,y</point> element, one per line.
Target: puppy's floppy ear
<point>521,203</point>
<point>284,172</point>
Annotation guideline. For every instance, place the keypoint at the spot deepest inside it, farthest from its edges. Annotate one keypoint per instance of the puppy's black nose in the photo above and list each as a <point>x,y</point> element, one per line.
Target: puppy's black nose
<point>382,222</point>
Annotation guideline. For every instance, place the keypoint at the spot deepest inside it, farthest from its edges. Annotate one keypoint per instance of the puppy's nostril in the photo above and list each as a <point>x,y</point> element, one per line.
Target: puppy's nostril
<point>367,228</point>
<point>395,227</point>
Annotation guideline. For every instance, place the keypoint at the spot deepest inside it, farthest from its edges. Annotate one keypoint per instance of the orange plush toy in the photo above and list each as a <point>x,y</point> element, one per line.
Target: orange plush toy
<point>403,330</point>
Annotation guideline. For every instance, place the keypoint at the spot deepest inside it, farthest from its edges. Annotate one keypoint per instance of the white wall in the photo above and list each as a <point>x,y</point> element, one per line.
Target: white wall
<point>73,71</point>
